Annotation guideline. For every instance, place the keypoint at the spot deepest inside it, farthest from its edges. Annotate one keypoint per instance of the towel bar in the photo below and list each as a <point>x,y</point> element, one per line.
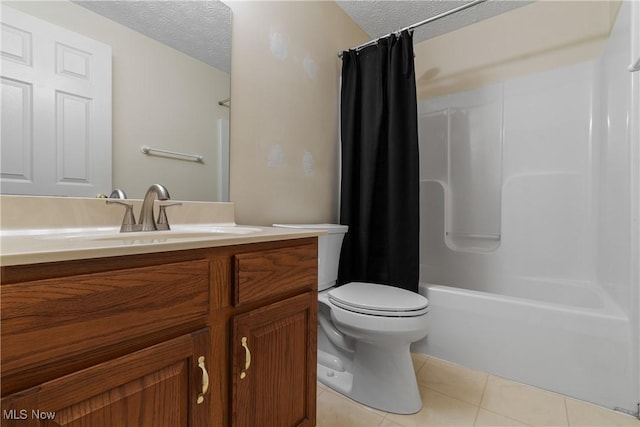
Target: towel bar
<point>193,157</point>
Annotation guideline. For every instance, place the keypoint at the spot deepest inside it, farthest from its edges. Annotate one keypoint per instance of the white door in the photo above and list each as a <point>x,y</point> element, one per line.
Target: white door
<point>56,110</point>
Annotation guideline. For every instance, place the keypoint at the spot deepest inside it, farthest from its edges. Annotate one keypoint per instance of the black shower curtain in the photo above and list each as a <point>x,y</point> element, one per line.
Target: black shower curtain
<point>380,167</point>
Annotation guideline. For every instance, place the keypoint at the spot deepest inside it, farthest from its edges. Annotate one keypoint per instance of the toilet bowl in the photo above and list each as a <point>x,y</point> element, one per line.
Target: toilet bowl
<point>364,333</point>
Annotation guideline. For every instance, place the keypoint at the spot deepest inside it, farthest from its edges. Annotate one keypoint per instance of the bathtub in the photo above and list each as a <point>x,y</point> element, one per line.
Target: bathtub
<point>579,347</point>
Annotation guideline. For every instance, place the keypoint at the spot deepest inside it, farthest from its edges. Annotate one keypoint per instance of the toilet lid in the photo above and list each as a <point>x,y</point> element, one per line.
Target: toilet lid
<point>379,300</point>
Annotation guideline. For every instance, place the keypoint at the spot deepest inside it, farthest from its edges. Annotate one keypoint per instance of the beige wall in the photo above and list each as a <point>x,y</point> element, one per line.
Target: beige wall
<point>161,98</point>
<point>284,117</point>
<point>530,39</point>
<point>284,130</point>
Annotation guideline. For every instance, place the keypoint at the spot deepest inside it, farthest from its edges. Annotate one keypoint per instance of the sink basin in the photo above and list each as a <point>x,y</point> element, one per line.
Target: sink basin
<point>176,234</point>
<point>155,236</point>
<point>212,229</point>
<point>179,232</point>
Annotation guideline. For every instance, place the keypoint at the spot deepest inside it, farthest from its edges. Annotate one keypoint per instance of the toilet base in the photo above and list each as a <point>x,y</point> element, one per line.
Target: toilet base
<point>341,382</point>
<point>382,378</point>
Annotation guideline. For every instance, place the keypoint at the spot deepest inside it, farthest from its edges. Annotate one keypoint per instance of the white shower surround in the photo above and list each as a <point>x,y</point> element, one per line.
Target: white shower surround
<point>538,249</point>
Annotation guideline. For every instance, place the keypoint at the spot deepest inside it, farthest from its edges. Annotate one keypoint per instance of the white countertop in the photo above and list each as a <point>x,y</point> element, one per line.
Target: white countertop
<point>18,247</point>
<point>49,229</point>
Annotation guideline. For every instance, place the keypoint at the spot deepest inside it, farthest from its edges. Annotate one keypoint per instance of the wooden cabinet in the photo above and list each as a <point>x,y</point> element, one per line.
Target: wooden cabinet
<point>273,350</point>
<point>274,346</point>
<point>132,340</point>
<point>159,386</point>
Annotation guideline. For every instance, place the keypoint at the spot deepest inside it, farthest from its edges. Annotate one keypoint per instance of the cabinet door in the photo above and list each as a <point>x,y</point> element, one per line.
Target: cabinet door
<point>274,364</point>
<point>158,386</point>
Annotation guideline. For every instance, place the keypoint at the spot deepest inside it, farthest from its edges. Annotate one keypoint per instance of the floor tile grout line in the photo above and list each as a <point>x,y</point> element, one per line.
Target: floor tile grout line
<point>349,401</point>
<point>383,419</point>
<point>448,395</point>
<point>510,418</point>
<point>529,387</point>
<point>475,419</point>
<point>425,385</point>
<point>422,365</point>
<point>566,410</point>
<point>374,411</point>
<point>484,389</point>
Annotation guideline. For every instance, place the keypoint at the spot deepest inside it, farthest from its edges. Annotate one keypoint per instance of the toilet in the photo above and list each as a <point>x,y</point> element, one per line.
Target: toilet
<point>364,333</point>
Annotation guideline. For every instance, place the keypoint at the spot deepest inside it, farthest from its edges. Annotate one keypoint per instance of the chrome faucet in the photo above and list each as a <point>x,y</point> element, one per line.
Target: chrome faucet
<point>147,221</point>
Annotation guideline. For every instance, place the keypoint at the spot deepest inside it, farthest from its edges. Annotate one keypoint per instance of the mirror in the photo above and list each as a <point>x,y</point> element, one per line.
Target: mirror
<point>170,88</point>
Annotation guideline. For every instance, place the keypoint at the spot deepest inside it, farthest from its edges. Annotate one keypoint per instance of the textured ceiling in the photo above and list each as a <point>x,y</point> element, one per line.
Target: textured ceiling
<point>381,17</point>
<point>202,28</point>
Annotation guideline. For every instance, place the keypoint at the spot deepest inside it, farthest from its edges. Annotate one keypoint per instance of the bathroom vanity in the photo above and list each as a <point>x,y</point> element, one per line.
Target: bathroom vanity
<point>194,331</point>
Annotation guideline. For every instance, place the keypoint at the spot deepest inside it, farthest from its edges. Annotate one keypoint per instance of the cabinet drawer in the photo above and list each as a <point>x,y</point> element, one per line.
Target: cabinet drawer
<point>54,319</point>
<point>273,272</point>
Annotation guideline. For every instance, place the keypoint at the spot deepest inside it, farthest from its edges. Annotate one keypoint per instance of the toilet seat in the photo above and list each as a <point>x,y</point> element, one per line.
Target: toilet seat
<point>378,300</point>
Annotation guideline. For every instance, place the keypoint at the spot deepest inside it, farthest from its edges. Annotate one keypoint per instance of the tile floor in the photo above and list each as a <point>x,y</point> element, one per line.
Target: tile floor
<point>456,396</point>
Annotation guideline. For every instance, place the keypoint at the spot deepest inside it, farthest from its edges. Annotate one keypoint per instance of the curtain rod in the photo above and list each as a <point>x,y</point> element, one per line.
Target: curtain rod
<point>426,21</point>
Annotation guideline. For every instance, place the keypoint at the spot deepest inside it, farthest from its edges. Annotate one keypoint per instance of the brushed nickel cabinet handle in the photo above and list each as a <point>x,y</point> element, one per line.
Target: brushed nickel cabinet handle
<point>205,380</point>
<point>247,358</point>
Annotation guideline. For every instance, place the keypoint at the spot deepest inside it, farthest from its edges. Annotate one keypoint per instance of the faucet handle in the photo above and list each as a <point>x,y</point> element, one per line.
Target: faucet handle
<point>163,221</point>
<point>129,220</point>
<point>118,194</point>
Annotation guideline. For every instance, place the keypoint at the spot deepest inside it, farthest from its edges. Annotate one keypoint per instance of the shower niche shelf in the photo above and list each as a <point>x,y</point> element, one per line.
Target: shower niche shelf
<point>473,241</point>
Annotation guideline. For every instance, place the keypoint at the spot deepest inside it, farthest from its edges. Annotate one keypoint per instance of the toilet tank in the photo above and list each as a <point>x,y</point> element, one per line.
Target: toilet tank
<point>329,246</point>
